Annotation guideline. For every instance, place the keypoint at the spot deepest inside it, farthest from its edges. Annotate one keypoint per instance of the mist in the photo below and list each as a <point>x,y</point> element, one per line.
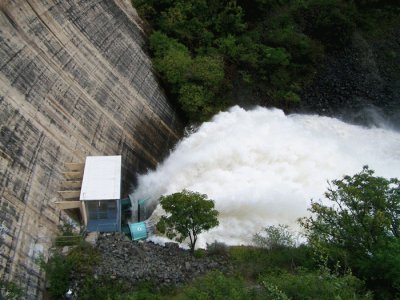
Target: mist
<point>262,167</point>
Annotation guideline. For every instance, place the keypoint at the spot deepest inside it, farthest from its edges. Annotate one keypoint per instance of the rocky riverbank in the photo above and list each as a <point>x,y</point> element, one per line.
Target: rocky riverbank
<point>134,262</point>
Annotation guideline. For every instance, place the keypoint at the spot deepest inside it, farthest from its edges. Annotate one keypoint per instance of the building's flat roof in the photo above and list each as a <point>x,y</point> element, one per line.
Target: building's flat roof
<point>101,178</point>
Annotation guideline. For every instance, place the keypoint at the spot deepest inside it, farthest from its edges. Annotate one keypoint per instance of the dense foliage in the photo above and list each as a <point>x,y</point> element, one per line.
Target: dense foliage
<point>59,269</point>
<point>274,237</point>
<point>210,52</point>
<point>10,291</point>
<point>305,284</point>
<point>189,214</point>
<point>352,252</point>
<point>361,230</point>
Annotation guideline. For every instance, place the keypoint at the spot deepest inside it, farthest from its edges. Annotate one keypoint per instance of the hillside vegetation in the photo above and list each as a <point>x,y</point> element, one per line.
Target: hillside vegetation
<point>352,252</point>
<point>212,54</point>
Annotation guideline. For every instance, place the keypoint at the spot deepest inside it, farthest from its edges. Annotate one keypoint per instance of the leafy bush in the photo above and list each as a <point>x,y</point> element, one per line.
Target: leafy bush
<point>215,285</point>
<point>59,268</point>
<point>58,271</point>
<point>274,237</point>
<point>314,285</point>
<point>83,257</point>
<point>10,291</point>
<point>250,262</point>
<point>104,288</point>
<point>208,70</point>
<point>274,293</point>
<point>172,59</point>
<point>199,253</point>
<point>361,228</point>
<point>194,81</point>
<point>196,101</point>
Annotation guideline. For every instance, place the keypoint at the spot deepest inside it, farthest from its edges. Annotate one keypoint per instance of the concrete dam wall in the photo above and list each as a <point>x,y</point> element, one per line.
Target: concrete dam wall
<point>74,81</point>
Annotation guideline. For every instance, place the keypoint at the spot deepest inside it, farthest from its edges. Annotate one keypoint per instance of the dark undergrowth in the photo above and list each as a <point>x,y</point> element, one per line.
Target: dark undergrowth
<point>257,273</point>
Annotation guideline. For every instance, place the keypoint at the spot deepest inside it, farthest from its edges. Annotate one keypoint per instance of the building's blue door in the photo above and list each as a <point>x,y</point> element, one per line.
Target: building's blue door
<point>103,216</point>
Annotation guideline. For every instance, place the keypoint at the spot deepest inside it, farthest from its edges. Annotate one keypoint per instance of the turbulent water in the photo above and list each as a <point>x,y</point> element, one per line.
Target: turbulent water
<point>262,167</point>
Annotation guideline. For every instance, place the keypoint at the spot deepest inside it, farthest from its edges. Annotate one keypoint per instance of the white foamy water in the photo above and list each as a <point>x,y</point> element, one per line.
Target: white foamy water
<point>263,168</point>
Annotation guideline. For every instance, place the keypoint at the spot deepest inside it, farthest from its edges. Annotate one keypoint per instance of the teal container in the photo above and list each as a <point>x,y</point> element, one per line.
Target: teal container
<point>138,231</point>
<point>126,204</point>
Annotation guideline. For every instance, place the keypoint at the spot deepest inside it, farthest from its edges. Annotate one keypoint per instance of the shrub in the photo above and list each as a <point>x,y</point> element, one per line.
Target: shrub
<point>208,70</point>
<point>274,293</point>
<point>83,257</point>
<point>58,270</point>
<point>274,237</point>
<point>174,66</point>
<point>250,262</point>
<point>360,229</point>
<point>199,253</point>
<point>215,285</point>
<point>194,100</point>
<point>217,248</point>
<point>195,81</point>
<point>103,288</point>
<point>315,285</point>
<point>10,291</point>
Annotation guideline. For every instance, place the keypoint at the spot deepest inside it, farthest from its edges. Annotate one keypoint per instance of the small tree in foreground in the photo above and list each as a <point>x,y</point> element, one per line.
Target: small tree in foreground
<point>188,214</point>
<point>361,231</point>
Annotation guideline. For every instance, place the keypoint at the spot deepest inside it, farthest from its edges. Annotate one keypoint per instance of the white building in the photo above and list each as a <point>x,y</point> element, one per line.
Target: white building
<point>99,203</point>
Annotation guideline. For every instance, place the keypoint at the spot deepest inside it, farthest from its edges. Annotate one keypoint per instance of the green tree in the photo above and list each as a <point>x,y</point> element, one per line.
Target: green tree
<point>172,59</point>
<point>360,229</point>
<point>189,214</point>
<point>194,81</point>
<point>208,70</point>
<point>275,237</point>
<point>195,101</point>
<point>160,44</point>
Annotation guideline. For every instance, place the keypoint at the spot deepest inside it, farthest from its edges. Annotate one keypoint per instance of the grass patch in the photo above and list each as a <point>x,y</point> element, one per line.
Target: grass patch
<point>304,284</point>
<point>251,262</point>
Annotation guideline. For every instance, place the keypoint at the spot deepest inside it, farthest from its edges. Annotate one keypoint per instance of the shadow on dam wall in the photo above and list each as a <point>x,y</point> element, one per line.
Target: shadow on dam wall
<point>74,81</point>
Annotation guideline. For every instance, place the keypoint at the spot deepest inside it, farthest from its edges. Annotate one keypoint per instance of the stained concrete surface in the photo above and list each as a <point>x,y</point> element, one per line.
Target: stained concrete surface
<point>74,81</point>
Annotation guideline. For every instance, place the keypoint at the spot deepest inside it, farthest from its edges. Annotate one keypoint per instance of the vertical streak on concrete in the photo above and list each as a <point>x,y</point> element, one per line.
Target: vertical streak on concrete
<point>74,81</point>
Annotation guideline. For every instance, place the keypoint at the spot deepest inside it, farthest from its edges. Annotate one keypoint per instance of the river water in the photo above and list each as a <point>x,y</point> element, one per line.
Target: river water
<point>263,167</point>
